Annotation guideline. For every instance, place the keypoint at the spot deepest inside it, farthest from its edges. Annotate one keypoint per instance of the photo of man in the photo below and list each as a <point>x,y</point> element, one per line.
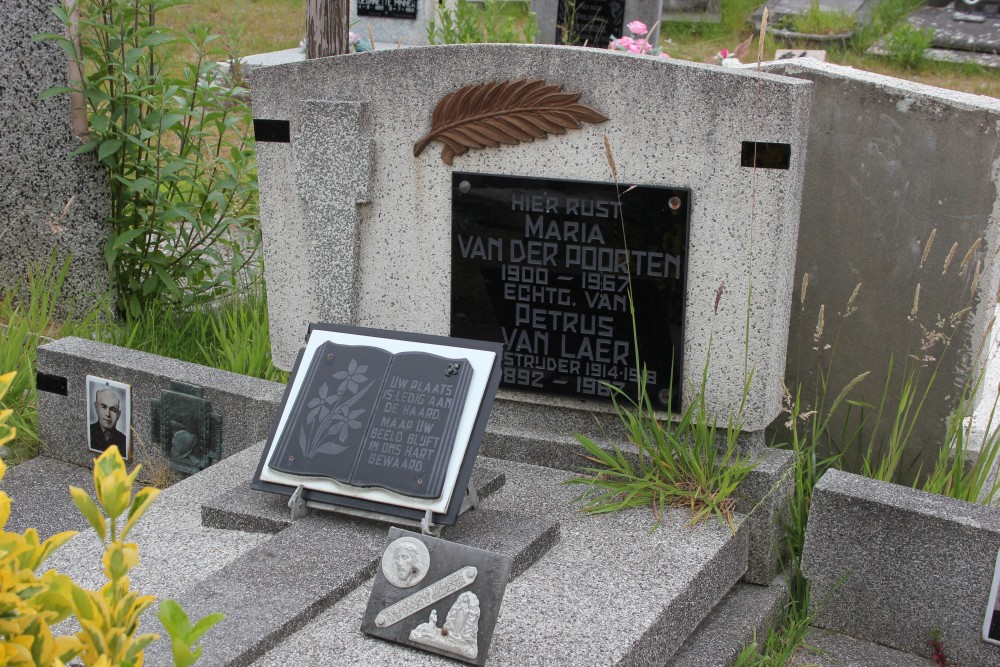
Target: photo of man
<point>108,414</point>
<point>991,624</point>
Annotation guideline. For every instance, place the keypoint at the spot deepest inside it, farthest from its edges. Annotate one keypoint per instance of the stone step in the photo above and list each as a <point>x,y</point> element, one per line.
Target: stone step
<point>823,648</point>
<point>246,509</point>
<point>610,593</point>
<point>747,611</point>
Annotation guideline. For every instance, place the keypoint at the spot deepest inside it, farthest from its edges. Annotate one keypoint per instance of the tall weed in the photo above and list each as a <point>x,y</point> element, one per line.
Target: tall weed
<point>176,142</point>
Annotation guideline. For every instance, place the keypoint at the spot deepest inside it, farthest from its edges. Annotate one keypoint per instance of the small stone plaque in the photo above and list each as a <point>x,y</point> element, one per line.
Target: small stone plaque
<point>382,421</point>
<point>593,22</point>
<point>543,267</point>
<point>397,9</point>
<point>437,596</point>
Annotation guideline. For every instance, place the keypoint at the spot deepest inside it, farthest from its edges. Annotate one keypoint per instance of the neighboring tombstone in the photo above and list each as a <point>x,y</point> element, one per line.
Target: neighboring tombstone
<point>49,202</point>
<point>891,164</point>
<point>357,230</point>
<point>593,22</point>
<point>892,565</point>
<point>177,414</point>
<point>395,21</point>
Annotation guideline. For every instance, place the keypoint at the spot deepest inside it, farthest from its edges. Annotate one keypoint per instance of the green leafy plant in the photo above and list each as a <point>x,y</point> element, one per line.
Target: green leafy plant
<point>679,463</point>
<point>818,21</point>
<point>109,618</point>
<point>24,324</point>
<point>177,145</point>
<point>907,46</point>
<point>490,21</point>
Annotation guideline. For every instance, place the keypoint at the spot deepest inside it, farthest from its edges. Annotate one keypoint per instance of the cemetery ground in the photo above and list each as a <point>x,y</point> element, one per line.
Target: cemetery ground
<point>232,334</point>
<point>273,25</point>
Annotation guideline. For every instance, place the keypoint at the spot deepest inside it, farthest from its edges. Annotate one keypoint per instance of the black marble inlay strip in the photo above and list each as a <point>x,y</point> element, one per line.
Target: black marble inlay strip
<point>765,155</point>
<point>54,384</point>
<point>277,131</point>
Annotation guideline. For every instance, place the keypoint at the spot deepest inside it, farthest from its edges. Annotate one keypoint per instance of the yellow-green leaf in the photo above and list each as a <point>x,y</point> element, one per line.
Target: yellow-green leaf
<point>90,511</point>
<point>140,503</point>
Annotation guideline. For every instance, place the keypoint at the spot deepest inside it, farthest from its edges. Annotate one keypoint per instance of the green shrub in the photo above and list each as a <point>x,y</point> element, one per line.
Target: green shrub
<point>492,21</point>
<point>817,21</point>
<point>907,45</point>
<point>177,145</point>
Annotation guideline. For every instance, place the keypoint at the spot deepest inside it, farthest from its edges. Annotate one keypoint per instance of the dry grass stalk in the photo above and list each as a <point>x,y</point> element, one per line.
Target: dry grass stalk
<point>820,323</point>
<point>157,468</point>
<point>927,247</point>
<point>951,256</point>
<point>803,290</point>
<point>611,158</point>
<point>850,309</point>
<point>975,278</point>
<point>916,304</point>
<point>718,296</point>
<point>760,40</point>
<point>972,250</point>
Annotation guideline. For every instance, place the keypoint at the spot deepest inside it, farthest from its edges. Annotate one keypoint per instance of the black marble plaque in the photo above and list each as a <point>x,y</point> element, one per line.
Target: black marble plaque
<point>397,9</point>
<point>409,444</point>
<point>594,22</point>
<point>437,596</point>
<point>542,266</point>
<point>366,417</point>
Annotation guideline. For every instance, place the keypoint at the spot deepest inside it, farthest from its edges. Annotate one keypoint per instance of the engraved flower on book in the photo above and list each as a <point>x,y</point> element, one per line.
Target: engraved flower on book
<point>352,377</point>
<point>332,417</point>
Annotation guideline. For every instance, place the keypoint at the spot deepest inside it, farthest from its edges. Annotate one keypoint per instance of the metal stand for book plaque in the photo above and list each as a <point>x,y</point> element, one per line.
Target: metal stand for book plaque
<point>382,425</point>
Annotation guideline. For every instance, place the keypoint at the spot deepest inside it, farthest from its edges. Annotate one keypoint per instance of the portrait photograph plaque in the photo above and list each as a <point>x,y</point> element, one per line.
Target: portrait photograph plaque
<point>991,623</point>
<point>542,266</point>
<point>382,421</point>
<point>109,416</point>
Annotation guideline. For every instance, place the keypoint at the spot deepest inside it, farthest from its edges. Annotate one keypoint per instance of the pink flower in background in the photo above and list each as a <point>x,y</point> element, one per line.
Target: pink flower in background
<point>623,42</point>
<point>638,28</point>
<point>634,48</point>
<point>663,54</point>
<point>353,38</point>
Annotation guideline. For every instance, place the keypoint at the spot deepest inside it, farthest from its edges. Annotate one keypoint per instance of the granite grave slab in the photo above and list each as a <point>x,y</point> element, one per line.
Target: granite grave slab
<point>313,564</point>
<point>887,564</point>
<point>875,145</point>
<point>654,588</point>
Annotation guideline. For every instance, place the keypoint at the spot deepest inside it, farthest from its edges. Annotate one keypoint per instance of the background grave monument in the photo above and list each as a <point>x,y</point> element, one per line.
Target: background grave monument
<point>51,202</point>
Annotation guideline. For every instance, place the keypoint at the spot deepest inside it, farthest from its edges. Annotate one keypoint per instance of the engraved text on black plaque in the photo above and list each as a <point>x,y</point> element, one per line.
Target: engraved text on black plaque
<point>543,267</point>
<point>397,9</point>
<point>366,417</point>
<point>590,22</point>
